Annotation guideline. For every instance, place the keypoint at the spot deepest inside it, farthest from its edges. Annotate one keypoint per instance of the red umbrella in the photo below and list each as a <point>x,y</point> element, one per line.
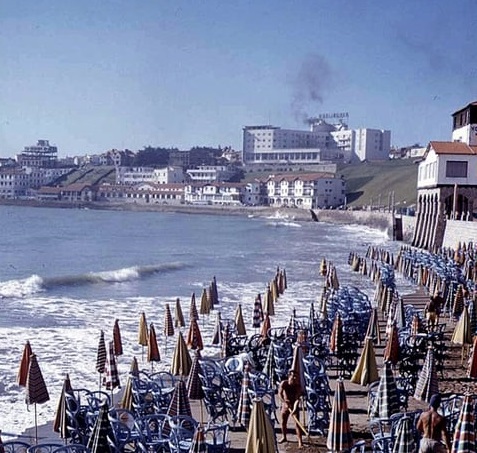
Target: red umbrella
<point>118,345</point>
<point>24,364</point>
<point>36,391</point>
<point>153,354</point>
<point>179,404</point>
<point>194,337</point>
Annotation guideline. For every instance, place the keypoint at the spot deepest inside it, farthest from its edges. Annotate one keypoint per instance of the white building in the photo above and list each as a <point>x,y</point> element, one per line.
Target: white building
<point>323,142</point>
<point>220,193</point>
<point>40,155</point>
<point>209,173</point>
<point>465,125</point>
<point>307,191</point>
<point>136,175</point>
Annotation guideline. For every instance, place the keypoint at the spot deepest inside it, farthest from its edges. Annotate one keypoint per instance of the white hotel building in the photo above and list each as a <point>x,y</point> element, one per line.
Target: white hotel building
<point>323,142</point>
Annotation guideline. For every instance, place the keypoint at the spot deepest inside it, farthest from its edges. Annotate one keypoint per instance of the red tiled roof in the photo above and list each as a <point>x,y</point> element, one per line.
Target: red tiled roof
<point>453,148</point>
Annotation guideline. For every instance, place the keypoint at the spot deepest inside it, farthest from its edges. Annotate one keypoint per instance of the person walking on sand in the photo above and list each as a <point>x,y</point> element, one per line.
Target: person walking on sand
<point>290,392</point>
<point>432,312</point>
<point>432,426</point>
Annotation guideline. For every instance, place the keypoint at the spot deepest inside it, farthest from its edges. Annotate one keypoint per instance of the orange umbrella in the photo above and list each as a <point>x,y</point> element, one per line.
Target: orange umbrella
<point>239,322</point>
<point>266,326</point>
<point>391,351</point>
<point>24,364</point>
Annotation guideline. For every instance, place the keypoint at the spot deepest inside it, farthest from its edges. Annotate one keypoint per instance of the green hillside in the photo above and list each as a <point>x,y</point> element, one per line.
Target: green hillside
<point>370,182</point>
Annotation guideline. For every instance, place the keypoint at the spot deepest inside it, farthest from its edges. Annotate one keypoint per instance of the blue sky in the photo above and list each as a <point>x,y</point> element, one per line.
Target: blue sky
<point>95,75</point>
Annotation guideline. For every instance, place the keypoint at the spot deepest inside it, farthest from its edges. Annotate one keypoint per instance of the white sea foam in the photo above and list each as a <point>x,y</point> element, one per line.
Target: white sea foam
<point>21,288</point>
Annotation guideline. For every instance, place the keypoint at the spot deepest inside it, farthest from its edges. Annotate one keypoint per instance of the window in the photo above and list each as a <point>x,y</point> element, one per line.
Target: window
<point>456,169</point>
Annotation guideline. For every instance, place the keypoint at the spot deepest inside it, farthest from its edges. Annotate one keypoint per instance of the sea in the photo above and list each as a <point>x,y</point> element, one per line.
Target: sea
<point>67,274</point>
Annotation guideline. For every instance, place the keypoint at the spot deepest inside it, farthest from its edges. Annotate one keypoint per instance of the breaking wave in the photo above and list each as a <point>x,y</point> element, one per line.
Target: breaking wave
<point>35,284</point>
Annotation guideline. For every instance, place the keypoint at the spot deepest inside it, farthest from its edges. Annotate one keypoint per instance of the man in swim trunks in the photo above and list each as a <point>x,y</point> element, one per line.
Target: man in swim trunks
<point>290,392</point>
<point>432,426</point>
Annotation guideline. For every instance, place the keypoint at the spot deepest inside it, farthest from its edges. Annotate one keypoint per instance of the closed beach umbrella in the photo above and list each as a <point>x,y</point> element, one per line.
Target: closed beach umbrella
<point>193,314</point>
<point>464,434</point>
<point>323,268</point>
<point>257,312</point>
<point>60,421</point>
<point>386,402</point>
<point>214,291</point>
<point>268,305</point>
<point>24,365</point>
<point>194,385</point>
<point>404,442</point>
<point>472,371</point>
<point>118,344</point>
<point>266,326</point>
<point>204,303</point>
<point>239,322</point>
<point>458,305</point>
<point>36,391</point>
<point>194,337</point>
<point>179,404</point>
<point>336,337</point>
<point>366,370</point>
<point>427,383</point>
<point>153,354</point>
<point>292,328</point>
<point>339,432</point>
<point>462,334</point>
<point>297,366</point>
<point>198,442</point>
<point>243,409</point>
<point>274,290</point>
<point>217,335</point>
<point>269,367</point>
<point>111,380</point>
<point>168,324</point>
<point>178,315</point>
<point>102,430</point>
<point>391,351</point>
<point>399,314</point>
<point>373,330</point>
<point>127,398</point>
<point>261,435</point>
<point>181,361</point>
<point>143,334</point>
<point>101,357</point>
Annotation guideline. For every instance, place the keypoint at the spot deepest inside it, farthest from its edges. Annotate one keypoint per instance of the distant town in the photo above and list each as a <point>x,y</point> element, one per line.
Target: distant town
<point>276,167</point>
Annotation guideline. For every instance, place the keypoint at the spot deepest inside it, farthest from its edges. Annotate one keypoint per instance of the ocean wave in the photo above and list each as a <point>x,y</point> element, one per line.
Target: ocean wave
<point>284,224</point>
<point>35,284</point>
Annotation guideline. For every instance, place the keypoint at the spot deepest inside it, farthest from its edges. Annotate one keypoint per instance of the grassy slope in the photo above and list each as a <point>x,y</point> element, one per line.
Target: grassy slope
<point>371,181</point>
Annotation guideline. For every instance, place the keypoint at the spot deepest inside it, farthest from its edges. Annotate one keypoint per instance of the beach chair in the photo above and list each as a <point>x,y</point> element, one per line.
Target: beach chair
<point>72,448</point>
<point>154,432</point>
<point>182,433</point>
<point>15,446</point>
<point>217,439</point>
<point>43,448</point>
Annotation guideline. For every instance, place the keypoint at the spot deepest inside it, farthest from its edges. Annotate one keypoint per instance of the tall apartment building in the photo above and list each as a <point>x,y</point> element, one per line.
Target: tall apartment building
<point>323,142</point>
<point>41,155</point>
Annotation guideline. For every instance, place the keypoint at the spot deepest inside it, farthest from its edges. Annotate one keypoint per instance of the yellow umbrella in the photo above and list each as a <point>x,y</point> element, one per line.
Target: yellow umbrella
<point>366,370</point>
<point>178,315</point>
<point>260,436</point>
<point>181,360</point>
<point>462,334</point>
<point>143,335</point>
<point>127,398</point>
<point>268,306</point>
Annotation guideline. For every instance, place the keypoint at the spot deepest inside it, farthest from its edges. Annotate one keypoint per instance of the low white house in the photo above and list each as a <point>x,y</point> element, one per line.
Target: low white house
<point>214,194</point>
<point>137,175</point>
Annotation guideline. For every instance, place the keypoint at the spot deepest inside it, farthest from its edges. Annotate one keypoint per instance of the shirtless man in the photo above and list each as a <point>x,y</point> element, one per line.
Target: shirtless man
<point>290,392</point>
<point>432,311</point>
<point>432,426</point>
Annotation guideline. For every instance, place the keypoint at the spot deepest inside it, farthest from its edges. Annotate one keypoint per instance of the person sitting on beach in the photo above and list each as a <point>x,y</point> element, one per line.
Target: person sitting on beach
<point>290,392</point>
<point>432,312</point>
<point>432,426</point>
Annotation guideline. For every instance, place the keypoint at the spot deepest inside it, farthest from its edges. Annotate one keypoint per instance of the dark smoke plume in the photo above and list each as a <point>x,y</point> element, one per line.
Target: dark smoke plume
<point>310,85</point>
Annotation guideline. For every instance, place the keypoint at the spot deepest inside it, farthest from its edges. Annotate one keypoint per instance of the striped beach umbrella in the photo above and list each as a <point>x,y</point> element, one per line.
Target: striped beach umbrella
<point>386,402</point>
<point>118,344</point>
<point>36,391</point>
<point>193,313</point>
<point>339,437</point>
<point>60,421</point>
<point>198,441</point>
<point>178,315</point>
<point>366,370</point>
<point>24,365</point>
<point>472,370</point>
<point>101,357</point>
<point>269,367</point>
<point>261,435</point>
<point>111,379</point>
<point>404,442</point>
<point>244,409</point>
<point>181,362</point>
<point>127,398</point>
<point>153,353</point>
<point>427,383</point>
<point>257,312</point>
<point>194,337</point>
<point>102,431</point>
<point>373,330</point>
<point>194,385</point>
<point>292,328</point>
<point>180,404</point>
<point>464,434</point>
<point>239,322</point>
<point>336,337</point>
